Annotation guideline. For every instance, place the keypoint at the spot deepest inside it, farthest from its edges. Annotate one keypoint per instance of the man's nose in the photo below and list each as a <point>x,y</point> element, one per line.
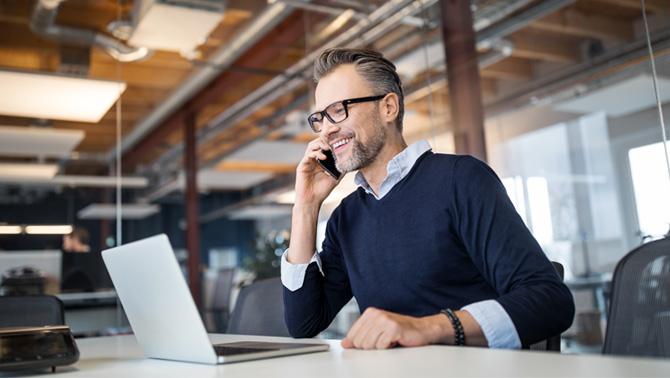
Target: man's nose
<point>328,128</point>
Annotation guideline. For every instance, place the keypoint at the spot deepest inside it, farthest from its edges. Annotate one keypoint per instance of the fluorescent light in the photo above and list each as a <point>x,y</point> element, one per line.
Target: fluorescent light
<point>38,141</point>
<point>255,212</point>
<point>156,28</point>
<point>49,230</point>
<point>10,230</point>
<point>108,211</point>
<point>76,181</point>
<point>9,171</point>
<point>38,95</point>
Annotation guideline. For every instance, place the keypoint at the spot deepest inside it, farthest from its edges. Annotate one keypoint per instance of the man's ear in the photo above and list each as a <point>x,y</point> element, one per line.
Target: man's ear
<point>390,107</point>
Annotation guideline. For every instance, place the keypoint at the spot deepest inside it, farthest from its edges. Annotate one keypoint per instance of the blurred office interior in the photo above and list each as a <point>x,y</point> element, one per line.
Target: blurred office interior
<point>189,117</point>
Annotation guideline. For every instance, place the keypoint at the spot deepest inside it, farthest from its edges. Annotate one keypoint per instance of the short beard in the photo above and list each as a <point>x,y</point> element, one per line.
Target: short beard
<point>363,155</point>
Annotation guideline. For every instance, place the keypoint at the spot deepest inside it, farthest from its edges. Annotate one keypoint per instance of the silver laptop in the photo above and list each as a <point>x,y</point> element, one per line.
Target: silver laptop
<point>161,311</point>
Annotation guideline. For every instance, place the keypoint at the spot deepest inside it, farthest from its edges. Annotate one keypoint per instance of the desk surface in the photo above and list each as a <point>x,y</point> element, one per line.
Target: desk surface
<point>120,356</point>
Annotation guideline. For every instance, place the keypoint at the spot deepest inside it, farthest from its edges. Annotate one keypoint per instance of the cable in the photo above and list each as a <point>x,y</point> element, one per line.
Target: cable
<point>656,90</point>
<point>119,314</point>
<point>429,82</point>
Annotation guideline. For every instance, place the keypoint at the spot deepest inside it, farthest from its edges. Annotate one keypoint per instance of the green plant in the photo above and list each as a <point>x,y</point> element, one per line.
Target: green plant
<point>265,260</point>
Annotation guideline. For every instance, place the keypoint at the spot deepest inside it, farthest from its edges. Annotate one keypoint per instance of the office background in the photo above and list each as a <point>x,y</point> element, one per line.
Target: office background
<point>209,122</point>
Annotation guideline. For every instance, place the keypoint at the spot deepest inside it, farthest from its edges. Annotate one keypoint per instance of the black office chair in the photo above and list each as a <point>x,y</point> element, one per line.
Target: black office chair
<point>259,310</point>
<point>552,344</point>
<point>639,315</point>
<point>31,311</point>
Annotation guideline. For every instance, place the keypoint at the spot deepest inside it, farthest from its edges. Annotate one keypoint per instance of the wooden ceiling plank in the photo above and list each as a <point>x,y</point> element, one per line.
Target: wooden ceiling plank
<point>510,68</point>
<point>255,166</point>
<point>573,22</point>
<point>545,48</point>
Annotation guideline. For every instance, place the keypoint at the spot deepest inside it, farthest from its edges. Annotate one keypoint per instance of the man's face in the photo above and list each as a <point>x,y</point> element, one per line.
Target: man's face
<point>357,140</point>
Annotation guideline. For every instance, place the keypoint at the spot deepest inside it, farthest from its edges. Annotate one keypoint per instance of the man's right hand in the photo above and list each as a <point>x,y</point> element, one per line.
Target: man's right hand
<point>312,183</point>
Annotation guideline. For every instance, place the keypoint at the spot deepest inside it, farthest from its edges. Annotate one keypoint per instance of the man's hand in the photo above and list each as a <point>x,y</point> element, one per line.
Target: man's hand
<point>379,329</point>
<point>313,184</point>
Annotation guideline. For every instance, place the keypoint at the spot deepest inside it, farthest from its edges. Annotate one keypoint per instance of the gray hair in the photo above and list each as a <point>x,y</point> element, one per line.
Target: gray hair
<point>371,65</point>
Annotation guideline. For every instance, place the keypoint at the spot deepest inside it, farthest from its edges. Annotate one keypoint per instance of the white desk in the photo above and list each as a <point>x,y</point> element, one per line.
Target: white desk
<point>120,356</point>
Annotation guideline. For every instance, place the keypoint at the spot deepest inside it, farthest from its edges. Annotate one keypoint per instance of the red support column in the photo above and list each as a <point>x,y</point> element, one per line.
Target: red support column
<point>465,97</point>
<point>191,205</point>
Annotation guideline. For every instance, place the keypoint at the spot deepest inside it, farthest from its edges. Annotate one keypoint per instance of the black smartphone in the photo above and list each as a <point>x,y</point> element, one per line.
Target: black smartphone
<point>329,164</point>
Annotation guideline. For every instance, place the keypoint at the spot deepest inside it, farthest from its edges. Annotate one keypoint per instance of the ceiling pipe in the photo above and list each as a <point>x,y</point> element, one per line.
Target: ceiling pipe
<point>500,50</point>
<point>488,37</point>
<point>388,14</point>
<point>219,61</point>
<point>43,24</point>
<point>336,11</point>
<point>295,75</point>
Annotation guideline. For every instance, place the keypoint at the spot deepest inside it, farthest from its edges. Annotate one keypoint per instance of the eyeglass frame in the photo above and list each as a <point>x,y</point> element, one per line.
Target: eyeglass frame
<point>345,105</point>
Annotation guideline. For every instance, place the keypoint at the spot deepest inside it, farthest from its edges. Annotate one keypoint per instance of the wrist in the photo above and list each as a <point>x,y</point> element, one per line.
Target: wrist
<point>440,329</point>
<point>306,208</point>
<point>457,327</point>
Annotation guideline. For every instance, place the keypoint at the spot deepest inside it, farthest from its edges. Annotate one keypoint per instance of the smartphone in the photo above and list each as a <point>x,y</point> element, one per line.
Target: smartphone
<point>329,164</point>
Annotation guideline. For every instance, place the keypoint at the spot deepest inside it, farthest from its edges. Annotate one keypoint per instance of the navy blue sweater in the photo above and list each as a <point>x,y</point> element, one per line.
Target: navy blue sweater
<point>445,236</point>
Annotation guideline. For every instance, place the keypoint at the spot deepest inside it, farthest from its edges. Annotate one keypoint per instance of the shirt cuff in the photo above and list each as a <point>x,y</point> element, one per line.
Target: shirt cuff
<point>496,324</point>
<point>293,275</point>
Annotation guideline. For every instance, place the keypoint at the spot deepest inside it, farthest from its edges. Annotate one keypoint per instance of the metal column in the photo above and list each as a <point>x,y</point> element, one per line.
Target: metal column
<point>191,206</point>
<point>465,96</point>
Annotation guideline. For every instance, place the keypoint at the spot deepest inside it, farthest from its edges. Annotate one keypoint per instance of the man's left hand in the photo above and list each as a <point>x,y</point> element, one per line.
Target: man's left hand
<point>379,329</point>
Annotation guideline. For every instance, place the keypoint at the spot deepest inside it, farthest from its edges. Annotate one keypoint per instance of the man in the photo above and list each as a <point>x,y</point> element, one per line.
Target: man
<point>79,265</point>
<point>429,244</point>
<point>76,241</point>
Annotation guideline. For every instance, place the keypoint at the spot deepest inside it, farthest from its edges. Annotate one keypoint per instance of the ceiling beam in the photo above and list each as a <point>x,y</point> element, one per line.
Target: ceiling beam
<point>544,47</point>
<point>575,23</point>
<point>655,6</point>
<point>150,77</point>
<point>510,68</point>
<point>255,166</point>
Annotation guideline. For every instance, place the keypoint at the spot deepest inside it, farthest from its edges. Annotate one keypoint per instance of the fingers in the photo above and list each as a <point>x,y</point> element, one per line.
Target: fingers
<point>317,144</point>
<point>375,329</point>
<point>315,150</point>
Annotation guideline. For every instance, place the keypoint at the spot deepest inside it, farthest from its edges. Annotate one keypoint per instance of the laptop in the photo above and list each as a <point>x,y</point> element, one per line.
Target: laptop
<point>161,311</point>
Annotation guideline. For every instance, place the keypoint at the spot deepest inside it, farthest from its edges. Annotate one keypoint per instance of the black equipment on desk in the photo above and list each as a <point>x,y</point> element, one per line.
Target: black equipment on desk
<point>23,280</point>
<point>36,348</point>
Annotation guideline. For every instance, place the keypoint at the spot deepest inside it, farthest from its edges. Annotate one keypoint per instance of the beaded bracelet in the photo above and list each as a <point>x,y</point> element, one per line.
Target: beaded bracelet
<point>459,334</point>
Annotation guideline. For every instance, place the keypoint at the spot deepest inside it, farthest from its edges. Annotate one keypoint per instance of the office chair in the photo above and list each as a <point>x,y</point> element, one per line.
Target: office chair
<point>639,315</point>
<point>259,310</point>
<point>552,344</point>
<point>30,311</point>
<point>220,307</point>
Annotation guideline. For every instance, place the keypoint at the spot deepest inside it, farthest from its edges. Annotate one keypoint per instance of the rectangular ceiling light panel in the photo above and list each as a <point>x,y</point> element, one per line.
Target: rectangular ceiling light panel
<point>38,141</point>
<point>279,152</point>
<point>10,171</point>
<point>38,95</point>
<point>108,211</point>
<point>48,229</point>
<point>157,28</point>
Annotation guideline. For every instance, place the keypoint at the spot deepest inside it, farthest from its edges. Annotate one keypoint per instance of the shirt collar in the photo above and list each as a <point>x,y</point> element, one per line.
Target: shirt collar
<point>396,169</point>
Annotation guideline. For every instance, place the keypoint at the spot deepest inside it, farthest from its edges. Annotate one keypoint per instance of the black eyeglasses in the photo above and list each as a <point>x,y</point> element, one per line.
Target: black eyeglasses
<point>337,111</point>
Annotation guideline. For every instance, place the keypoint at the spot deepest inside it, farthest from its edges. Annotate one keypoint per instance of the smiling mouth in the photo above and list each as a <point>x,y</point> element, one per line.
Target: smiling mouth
<point>340,144</point>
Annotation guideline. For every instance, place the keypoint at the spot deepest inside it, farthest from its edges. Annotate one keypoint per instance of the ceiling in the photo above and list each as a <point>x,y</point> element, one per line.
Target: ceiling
<point>249,86</point>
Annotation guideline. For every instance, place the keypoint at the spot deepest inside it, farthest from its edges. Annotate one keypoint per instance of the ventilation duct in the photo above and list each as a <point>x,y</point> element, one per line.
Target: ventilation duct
<point>43,24</point>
